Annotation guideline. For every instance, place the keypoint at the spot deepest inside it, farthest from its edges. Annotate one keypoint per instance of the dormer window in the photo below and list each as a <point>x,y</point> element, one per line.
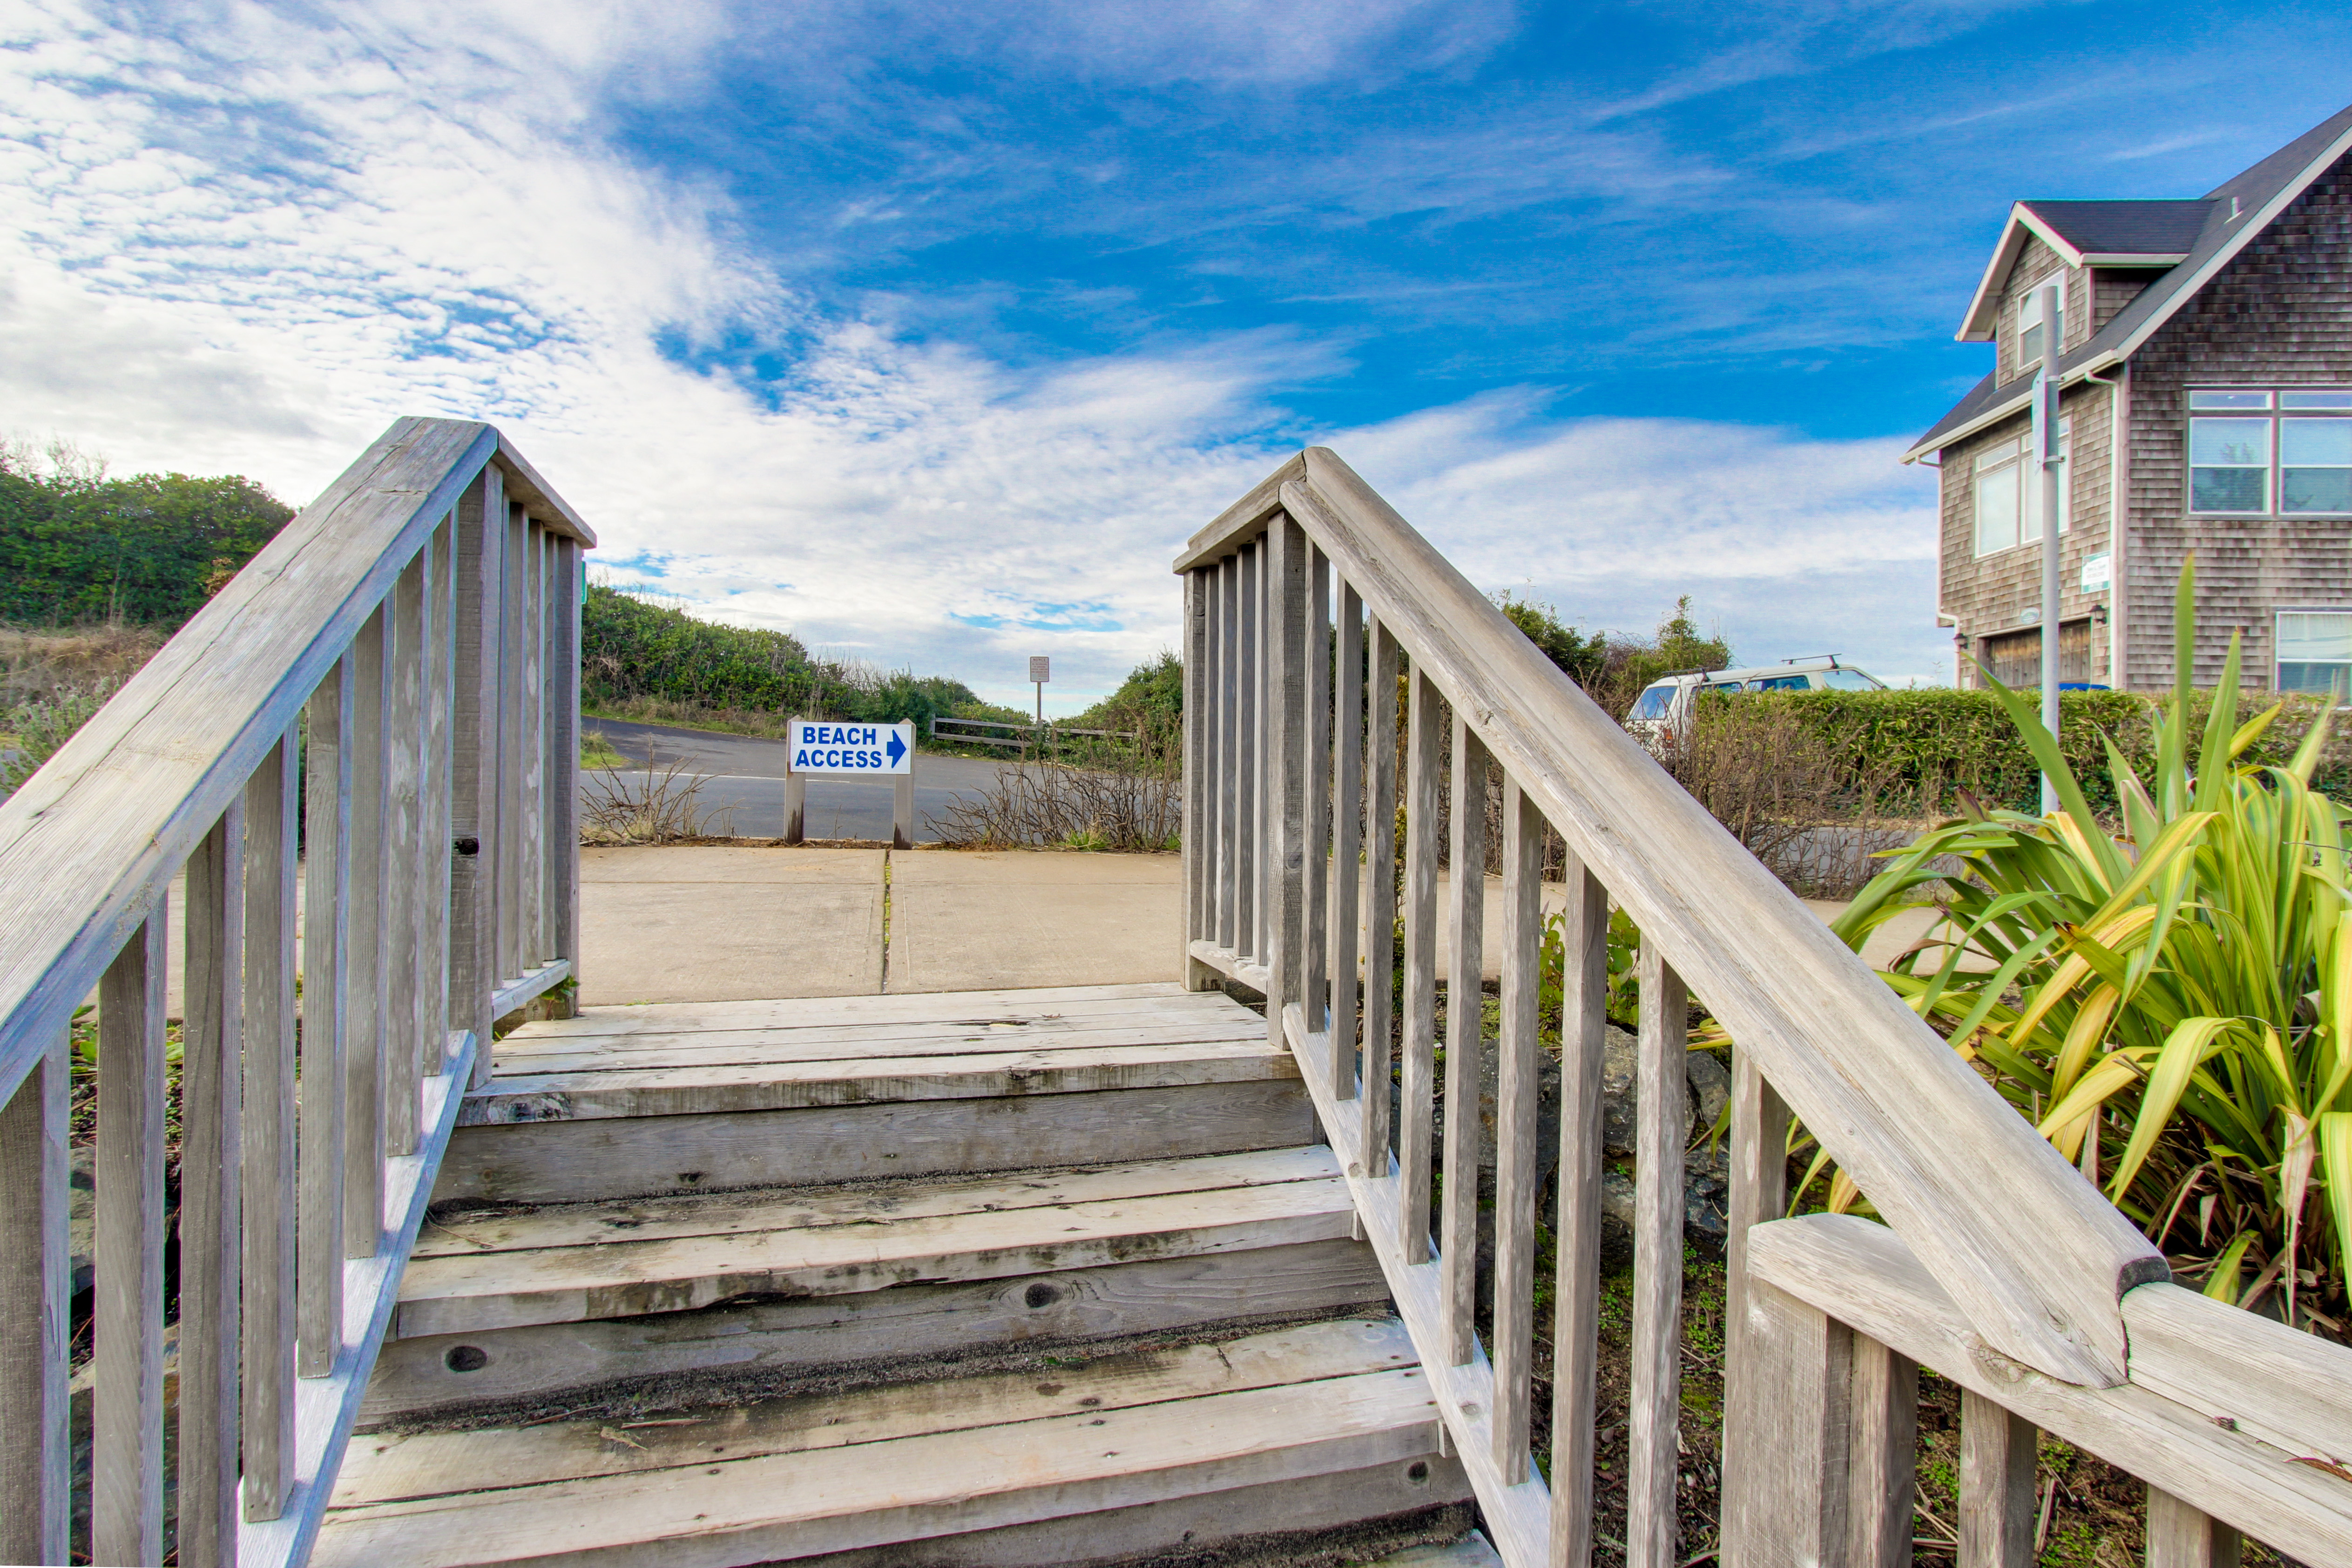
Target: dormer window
<point>2029,333</point>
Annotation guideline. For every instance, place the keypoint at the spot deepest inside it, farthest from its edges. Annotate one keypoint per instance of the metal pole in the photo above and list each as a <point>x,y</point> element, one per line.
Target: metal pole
<point>2045,444</point>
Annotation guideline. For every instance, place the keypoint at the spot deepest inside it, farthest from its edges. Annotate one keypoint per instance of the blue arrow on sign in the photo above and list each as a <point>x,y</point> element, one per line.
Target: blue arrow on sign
<point>897,748</point>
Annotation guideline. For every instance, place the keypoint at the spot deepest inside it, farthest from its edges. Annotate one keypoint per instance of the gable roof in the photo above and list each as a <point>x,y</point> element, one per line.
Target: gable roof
<point>2227,216</point>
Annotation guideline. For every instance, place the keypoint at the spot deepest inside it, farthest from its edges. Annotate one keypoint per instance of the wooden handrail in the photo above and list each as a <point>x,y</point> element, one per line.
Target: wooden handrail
<point>381,710</point>
<point>1286,754</point>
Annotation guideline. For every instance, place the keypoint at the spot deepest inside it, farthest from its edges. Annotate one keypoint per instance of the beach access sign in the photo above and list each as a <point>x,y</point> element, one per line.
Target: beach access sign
<point>872,750</point>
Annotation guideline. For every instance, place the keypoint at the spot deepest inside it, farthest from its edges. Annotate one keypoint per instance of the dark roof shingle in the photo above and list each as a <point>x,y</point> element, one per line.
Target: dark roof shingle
<point>2126,228</point>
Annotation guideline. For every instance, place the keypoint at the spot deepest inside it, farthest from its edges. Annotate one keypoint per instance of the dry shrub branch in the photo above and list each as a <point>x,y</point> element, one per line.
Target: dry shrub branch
<point>661,807</point>
<point>1128,803</point>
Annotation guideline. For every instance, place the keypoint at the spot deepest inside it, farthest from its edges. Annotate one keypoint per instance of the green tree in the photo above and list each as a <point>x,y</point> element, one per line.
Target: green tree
<point>1581,657</point>
<point>150,549</point>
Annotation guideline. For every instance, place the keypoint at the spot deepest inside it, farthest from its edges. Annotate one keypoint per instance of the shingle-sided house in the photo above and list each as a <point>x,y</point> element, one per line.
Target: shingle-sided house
<point>2207,404</point>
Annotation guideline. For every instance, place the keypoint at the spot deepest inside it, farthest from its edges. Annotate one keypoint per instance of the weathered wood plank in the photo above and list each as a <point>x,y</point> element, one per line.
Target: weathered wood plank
<point>2180,1537</point>
<point>1786,1428</point>
<point>1314,741</point>
<point>506,847</point>
<point>711,1048</point>
<point>127,1315</point>
<point>872,1493</point>
<point>1156,997</point>
<point>367,940</point>
<point>583,1161</point>
<point>793,1086</point>
<point>475,1233</point>
<point>2260,1376</point>
<point>1229,773</point>
<point>1885,1450</point>
<point>1576,1330</point>
<point>766,1341</point>
<point>1518,1061</point>
<point>86,848</point>
<point>1466,1048</point>
<point>1653,1417</point>
<point>1287,745</point>
<point>1197,758</point>
<point>480,526</point>
<point>211,1200</point>
<point>35,1314</point>
<point>563,761</point>
<point>1868,1275</point>
<point>452,1294</point>
<point>434,951</point>
<point>405,869</point>
<point>326,995</point>
<point>531,918</point>
<point>1417,1094</point>
<point>1381,805</point>
<point>1234,527</point>
<point>523,483</point>
<point>1845,1051</point>
<point>394,1465</point>
<point>1250,788</point>
<point>1997,1491</point>
<point>1346,843</point>
<point>269,1129</point>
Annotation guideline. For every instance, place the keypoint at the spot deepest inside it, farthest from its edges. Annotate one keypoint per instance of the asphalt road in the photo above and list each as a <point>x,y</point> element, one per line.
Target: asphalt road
<point>747,780</point>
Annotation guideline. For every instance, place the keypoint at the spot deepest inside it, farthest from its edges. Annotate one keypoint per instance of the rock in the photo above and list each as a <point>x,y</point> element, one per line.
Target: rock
<point>1710,1084</point>
<point>81,1221</point>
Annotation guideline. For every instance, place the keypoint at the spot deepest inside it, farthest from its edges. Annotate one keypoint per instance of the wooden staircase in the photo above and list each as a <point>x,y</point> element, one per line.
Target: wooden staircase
<point>994,1278</point>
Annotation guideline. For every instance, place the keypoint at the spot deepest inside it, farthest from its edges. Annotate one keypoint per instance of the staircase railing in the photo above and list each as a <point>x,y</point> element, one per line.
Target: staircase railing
<point>361,756</point>
<point>1999,1267</point>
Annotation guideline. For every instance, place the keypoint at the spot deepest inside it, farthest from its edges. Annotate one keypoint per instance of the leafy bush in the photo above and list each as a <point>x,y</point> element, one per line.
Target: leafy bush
<point>2170,1002</point>
<point>147,550</point>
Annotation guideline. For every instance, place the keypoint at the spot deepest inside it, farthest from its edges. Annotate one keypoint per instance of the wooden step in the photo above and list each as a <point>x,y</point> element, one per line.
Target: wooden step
<point>913,1462</point>
<point>626,1101</point>
<point>484,1271</point>
<point>1473,1550</point>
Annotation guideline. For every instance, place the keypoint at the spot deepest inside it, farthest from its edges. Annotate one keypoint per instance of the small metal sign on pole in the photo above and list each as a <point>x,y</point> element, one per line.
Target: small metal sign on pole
<point>826,748</point>
<point>1041,671</point>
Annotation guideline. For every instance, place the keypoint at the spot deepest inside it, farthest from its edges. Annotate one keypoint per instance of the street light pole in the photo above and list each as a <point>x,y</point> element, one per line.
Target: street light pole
<point>2052,460</point>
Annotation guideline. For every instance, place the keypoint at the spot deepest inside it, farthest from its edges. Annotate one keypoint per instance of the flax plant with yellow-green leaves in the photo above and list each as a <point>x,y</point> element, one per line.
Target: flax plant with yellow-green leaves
<point>2168,996</point>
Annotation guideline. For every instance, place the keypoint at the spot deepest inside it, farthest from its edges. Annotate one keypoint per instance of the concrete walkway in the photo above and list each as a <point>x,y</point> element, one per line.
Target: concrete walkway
<point>716,923</point>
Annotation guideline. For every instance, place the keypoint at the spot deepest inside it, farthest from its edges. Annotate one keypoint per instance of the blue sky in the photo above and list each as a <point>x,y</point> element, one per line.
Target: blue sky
<point>928,330</point>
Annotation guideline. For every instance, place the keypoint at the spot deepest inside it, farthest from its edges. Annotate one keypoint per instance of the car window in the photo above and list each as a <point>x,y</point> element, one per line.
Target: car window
<point>1779,683</point>
<point>1848,681</point>
<point>1654,703</point>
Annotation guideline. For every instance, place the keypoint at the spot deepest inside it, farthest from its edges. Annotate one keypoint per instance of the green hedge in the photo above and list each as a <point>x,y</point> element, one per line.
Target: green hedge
<point>150,549</point>
<point>1918,750</point>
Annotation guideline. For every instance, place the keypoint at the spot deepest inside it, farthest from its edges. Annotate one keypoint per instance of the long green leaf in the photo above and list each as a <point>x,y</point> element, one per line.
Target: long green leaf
<point>2180,1058</point>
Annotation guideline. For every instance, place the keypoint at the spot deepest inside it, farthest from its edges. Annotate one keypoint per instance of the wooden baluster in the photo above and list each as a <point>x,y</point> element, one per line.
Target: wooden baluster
<point>530,870</point>
<point>1997,1494</point>
<point>127,1419</point>
<point>370,938</point>
<point>1517,1066</point>
<point>1346,842</point>
<point>1381,894</point>
<point>268,1132</point>
<point>474,767</point>
<point>1266,716</point>
<point>36,1312</point>
<point>2179,1536</point>
<point>1315,741</point>
<point>434,856</point>
<point>563,755</point>
<point>1788,1415</point>
<point>1465,998</point>
<point>326,991</point>
<point>1417,1096</point>
<point>506,952</point>
<point>1249,670</point>
<point>1199,719</point>
<point>404,871</point>
<point>1576,1331</point>
<point>1654,1419</point>
<point>211,1201</point>
<point>1286,720</point>
<point>1885,1446</point>
<point>1229,775</point>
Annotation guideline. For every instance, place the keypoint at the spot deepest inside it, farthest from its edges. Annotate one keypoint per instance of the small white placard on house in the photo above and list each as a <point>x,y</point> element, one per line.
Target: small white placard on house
<point>2098,572</point>
<point>827,746</point>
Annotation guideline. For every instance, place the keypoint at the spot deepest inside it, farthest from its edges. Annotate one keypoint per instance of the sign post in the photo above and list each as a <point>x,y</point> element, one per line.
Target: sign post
<point>826,748</point>
<point>2048,448</point>
<point>1041,671</point>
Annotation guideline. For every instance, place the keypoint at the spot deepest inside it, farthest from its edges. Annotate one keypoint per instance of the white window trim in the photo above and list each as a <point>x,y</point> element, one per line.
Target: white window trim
<point>2278,618</point>
<point>2014,451</point>
<point>2274,481</point>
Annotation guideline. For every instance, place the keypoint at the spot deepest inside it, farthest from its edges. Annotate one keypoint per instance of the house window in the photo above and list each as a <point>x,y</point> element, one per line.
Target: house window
<point>2314,650</point>
<point>2009,492</point>
<point>2256,453</point>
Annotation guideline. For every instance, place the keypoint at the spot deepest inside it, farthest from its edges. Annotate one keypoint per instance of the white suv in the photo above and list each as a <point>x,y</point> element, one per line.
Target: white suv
<point>1664,706</point>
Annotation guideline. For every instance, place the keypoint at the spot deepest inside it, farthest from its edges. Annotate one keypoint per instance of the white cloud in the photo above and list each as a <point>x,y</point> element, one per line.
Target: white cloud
<point>248,245</point>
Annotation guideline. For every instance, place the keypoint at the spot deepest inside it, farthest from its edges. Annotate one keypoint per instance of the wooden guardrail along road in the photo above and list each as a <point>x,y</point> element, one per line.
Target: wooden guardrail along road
<point>1022,1277</point>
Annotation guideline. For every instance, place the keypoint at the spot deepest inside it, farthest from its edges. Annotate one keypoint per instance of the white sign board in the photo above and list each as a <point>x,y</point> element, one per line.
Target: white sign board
<point>869,751</point>
<point>2098,572</point>
<point>1041,670</point>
